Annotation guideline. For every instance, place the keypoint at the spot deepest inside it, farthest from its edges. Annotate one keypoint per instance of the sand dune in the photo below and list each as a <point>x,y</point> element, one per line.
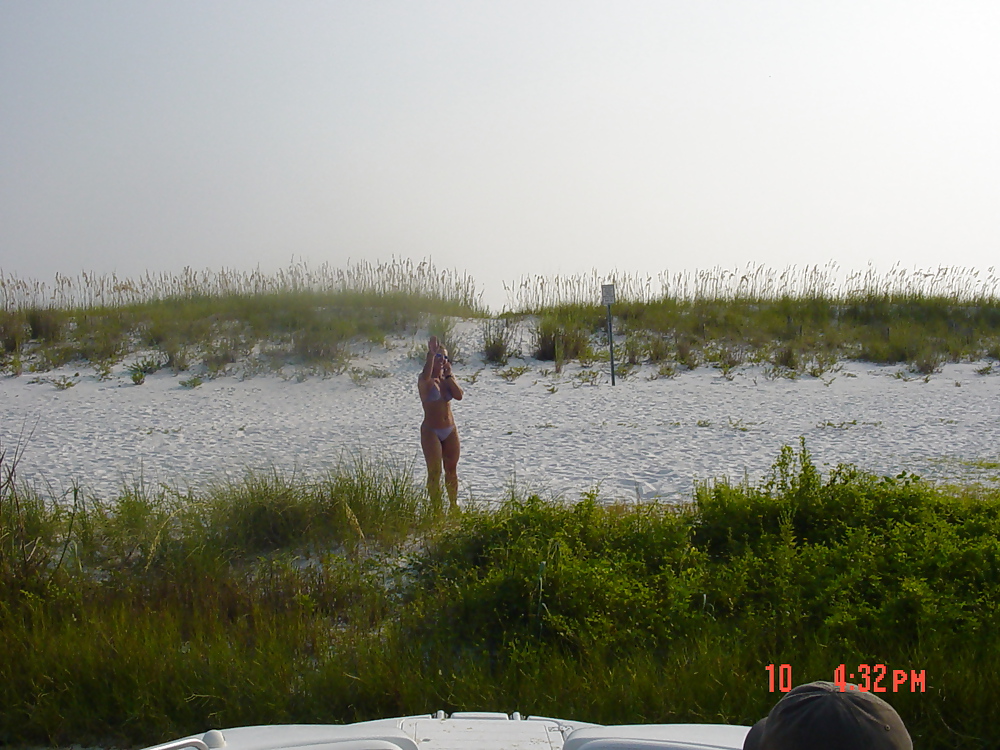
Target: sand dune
<point>553,433</point>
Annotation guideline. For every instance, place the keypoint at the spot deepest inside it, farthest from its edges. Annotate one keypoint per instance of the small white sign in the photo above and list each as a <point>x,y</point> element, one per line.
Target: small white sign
<point>607,294</point>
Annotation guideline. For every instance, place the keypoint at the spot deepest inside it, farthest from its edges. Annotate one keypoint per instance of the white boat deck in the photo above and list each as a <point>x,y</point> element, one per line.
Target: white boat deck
<point>469,731</point>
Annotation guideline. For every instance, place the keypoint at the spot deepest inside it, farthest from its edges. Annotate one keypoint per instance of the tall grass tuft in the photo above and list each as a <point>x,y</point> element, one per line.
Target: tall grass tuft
<point>29,530</point>
<point>498,340</point>
<point>367,500</point>
<point>564,334</point>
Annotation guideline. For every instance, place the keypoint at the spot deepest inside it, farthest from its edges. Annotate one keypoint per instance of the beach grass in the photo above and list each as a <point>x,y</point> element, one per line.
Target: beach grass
<point>300,316</point>
<point>349,597</point>
<point>796,321</point>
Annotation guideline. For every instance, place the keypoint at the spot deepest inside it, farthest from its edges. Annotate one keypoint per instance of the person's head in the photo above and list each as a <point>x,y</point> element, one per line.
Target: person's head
<point>440,357</point>
<point>820,716</point>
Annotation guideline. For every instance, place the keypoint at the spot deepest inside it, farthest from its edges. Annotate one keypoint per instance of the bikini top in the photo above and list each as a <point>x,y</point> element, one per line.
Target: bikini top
<point>434,394</point>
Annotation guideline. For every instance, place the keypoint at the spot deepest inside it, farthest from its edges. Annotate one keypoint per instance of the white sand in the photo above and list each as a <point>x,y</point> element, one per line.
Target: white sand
<point>642,437</point>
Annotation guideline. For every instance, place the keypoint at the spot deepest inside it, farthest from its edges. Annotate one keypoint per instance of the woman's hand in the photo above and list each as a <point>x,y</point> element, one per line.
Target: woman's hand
<point>433,345</point>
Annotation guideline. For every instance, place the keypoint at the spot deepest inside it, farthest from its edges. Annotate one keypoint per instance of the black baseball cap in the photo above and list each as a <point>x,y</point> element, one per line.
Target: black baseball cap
<point>822,716</point>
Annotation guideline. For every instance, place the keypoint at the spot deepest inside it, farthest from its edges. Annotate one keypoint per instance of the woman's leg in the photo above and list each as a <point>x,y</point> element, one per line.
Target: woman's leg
<point>432,455</point>
<point>450,450</point>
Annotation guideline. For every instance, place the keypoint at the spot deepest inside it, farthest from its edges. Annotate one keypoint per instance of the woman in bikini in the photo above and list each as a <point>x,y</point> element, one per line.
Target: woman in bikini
<point>438,434</point>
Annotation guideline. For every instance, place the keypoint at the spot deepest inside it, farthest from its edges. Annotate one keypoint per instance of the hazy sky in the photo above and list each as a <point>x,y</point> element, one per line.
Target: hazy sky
<point>502,138</point>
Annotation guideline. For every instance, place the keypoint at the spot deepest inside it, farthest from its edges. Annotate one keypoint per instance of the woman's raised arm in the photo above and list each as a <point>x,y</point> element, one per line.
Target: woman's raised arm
<point>432,349</point>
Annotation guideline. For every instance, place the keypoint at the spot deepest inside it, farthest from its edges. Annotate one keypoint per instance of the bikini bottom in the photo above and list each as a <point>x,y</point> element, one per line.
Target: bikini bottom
<point>443,433</point>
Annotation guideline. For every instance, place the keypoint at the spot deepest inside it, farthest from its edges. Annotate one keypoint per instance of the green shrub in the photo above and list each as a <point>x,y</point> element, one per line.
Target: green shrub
<point>498,340</point>
<point>146,365</point>
<point>46,324</point>
<point>51,356</point>
<point>321,340</point>
<point>560,339</point>
<point>13,332</point>
<point>688,353</point>
<point>658,348</point>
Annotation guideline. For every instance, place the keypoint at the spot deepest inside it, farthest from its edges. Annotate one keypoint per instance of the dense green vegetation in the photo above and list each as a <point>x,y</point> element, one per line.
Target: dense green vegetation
<point>350,598</point>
